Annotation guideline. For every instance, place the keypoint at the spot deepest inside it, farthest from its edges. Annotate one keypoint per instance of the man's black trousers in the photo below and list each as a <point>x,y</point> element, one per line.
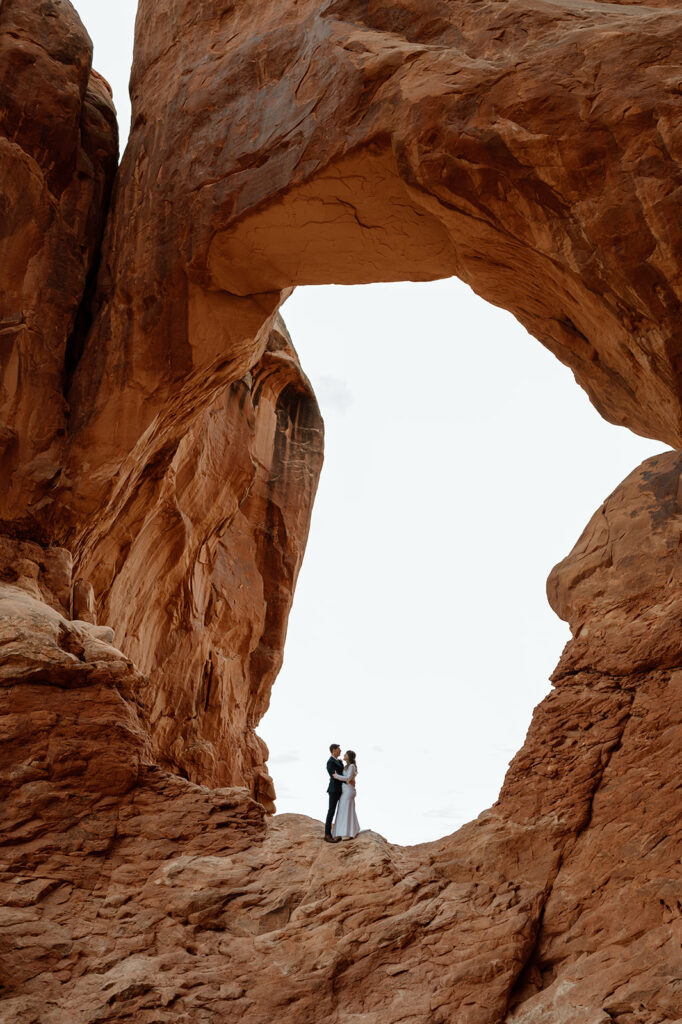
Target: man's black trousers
<point>333,801</point>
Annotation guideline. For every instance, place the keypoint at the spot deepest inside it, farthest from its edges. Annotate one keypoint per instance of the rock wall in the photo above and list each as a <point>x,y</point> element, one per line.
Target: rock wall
<point>58,155</point>
<point>533,149</point>
<point>186,504</point>
<point>127,892</point>
<point>195,558</point>
<point>160,449</point>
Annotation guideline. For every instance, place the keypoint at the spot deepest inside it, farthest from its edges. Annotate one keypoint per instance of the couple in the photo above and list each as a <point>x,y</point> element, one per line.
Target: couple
<point>341,791</point>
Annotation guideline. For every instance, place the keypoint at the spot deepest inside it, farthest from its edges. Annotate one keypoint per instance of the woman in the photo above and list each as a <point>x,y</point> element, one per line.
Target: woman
<point>346,825</point>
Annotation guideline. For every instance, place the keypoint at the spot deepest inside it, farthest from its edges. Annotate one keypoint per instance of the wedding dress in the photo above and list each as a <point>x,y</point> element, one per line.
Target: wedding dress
<point>346,824</point>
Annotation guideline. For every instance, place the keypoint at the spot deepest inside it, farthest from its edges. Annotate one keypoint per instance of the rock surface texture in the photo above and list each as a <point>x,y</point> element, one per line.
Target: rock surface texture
<point>58,155</point>
<point>160,447</point>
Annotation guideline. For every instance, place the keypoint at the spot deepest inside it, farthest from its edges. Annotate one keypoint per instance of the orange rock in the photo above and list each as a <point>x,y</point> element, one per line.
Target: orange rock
<point>129,892</point>
<point>290,145</point>
<point>619,589</point>
<point>534,152</point>
<point>195,563</point>
<point>58,150</point>
<point>160,453</point>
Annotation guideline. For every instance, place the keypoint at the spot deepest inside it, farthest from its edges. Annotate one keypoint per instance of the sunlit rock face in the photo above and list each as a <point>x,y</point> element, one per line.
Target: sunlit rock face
<point>161,447</point>
<point>195,558</point>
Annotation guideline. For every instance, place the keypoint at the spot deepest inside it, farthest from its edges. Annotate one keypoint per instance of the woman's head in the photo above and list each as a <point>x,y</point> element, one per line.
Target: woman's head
<point>349,757</point>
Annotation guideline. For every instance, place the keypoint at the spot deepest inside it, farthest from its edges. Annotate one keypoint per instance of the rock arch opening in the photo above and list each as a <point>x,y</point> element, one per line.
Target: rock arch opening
<point>534,150</point>
<point>461,463</point>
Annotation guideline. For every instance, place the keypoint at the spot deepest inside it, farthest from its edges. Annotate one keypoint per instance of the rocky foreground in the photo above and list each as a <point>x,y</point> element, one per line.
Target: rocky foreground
<point>160,447</point>
<point>129,893</point>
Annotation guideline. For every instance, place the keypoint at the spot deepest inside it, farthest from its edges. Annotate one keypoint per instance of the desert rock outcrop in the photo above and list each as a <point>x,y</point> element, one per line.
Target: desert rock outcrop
<point>130,893</point>
<point>277,144</point>
<point>532,149</point>
<point>160,448</point>
<point>58,155</point>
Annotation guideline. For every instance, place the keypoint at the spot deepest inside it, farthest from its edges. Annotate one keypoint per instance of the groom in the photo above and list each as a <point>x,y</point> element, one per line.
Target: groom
<point>334,764</point>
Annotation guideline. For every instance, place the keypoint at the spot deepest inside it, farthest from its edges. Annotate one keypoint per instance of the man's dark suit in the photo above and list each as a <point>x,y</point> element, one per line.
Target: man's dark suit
<point>334,789</point>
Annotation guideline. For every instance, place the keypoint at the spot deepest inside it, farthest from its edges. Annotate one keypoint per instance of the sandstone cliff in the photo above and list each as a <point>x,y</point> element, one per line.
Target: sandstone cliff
<point>160,448</point>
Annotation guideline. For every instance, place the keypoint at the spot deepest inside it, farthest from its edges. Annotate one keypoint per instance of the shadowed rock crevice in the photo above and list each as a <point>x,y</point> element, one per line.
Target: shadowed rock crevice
<point>532,979</point>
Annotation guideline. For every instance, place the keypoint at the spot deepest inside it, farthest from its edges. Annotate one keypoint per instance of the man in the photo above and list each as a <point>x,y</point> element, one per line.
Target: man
<point>334,764</point>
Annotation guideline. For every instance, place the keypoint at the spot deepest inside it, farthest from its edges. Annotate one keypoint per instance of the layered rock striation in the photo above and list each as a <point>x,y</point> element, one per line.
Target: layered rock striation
<point>160,447</point>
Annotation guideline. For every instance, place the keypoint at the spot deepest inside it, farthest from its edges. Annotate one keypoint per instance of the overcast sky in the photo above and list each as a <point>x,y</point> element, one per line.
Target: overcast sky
<point>462,461</point>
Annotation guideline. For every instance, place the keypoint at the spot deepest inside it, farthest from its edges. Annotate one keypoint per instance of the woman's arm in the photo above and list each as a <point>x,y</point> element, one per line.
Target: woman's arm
<point>341,778</point>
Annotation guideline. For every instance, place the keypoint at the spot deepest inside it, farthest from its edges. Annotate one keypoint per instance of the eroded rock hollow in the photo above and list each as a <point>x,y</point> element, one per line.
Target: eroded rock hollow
<point>160,447</point>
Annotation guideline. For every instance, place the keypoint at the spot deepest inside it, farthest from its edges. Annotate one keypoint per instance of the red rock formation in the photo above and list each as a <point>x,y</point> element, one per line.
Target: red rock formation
<point>191,535</point>
<point>129,893</point>
<point>534,150</point>
<point>277,145</point>
<point>58,153</point>
<point>195,559</point>
<point>609,946</point>
<point>161,447</point>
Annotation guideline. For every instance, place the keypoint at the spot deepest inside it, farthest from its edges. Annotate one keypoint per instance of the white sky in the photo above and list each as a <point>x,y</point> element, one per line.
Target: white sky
<point>462,462</point>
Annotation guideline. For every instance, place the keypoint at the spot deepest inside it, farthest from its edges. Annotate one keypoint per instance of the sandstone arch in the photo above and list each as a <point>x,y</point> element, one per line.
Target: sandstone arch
<point>320,143</point>
<point>533,148</point>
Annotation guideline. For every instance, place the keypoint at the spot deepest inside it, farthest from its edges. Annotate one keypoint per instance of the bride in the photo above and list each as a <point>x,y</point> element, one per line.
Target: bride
<point>346,825</point>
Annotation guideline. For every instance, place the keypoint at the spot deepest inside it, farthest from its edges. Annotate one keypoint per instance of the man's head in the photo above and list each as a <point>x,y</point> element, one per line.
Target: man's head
<point>334,749</point>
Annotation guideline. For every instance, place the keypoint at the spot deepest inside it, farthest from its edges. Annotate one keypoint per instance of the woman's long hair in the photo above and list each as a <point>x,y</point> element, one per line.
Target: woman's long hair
<point>350,754</point>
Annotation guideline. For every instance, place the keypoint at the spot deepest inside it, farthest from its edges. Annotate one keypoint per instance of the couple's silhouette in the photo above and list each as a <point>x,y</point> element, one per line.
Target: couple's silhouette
<point>341,790</point>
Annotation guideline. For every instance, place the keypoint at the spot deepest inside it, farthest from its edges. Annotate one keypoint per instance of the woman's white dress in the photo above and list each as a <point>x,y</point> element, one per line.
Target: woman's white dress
<point>346,824</point>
